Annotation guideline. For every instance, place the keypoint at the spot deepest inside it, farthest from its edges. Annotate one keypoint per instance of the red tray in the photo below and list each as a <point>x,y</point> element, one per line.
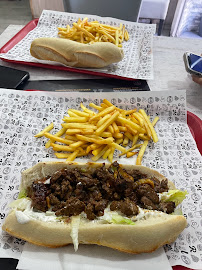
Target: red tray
<point>195,126</point>
<point>24,31</point>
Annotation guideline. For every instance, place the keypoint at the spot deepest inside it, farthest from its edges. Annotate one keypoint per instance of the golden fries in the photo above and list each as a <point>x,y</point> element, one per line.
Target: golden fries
<point>47,129</point>
<point>89,32</point>
<point>141,153</point>
<point>100,133</point>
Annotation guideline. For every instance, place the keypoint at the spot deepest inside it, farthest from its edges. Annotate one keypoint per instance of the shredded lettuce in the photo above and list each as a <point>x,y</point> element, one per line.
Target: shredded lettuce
<point>178,212</point>
<point>75,222</point>
<point>20,204</point>
<point>118,219</point>
<point>114,218</point>
<point>22,194</point>
<point>176,196</point>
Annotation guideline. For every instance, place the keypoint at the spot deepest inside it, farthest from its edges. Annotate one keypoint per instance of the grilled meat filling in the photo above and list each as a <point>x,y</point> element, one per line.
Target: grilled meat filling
<point>72,191</point>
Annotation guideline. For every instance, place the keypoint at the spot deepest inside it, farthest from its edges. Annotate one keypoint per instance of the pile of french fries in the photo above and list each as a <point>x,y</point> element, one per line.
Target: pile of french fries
<point>84,31</point>
<point>100,133</point>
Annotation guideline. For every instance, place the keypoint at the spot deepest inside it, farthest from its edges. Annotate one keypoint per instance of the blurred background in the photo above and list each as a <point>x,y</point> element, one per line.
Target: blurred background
<point>177,18</point>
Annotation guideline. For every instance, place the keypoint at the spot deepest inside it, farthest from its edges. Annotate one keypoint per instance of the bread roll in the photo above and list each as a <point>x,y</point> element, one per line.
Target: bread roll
<point>146,235</point>
<point>75,54</point>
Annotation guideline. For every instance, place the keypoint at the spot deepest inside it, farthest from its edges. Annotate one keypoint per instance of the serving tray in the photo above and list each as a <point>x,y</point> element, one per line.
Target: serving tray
<point>23,32</point>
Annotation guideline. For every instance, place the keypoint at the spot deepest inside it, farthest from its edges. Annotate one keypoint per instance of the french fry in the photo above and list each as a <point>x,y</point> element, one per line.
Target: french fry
<point>103,120</point>
<point>129,112</point>
<point>87,131</point>
<point>110,156</point>
<point>131,124</point>
<point>129,135</point>
<point>103,113</point>
<point>98,150</point>
<point>131,149</point>
<point>83,30</point>
<point>106,134</point>
<point>115,127</point>
<point>73,155</point>
<point>79,113</point>
<point>46,129</point>
<point>153,132</point>
<point>58,147</point>
<point>122,129</point>
<point>134,120</point>
<point>71,137</point>
<point>118,135</point>
<point>107,123</point>
<point>78,126</point>
<point>94,146</point>
<point>99,108</point>
<point>110,128</point>
<point>98,140</point>
<point>148,131</point>
<point>125,140</point>
<point>76,144</point>
<point>117,38</point>
<point>103,105</point>
<point>91,113</point>
<point>144,137</point>
<point>62,155</point>
<point>119,141</point>
<point>126,35</point>
<point>57,139</point>
<point>58,134</point>
<point>135,138</point>
<point>108,104</point>
<point>141,153</point>
<point>95,158</point>
<point>139,118</point>
<point>66,155</point>
<point>75,119</point>
<point>106,154</point>
<point>73,131</point>
<point>130,154</point>
<point>88,149</point>
<point>155,121</point>
<point>119,147</point>
<point>72,114</point>
<point>132,130</point>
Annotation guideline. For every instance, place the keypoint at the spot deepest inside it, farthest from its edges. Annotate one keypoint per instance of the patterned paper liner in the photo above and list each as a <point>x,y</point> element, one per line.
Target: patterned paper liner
<point>23,114</point>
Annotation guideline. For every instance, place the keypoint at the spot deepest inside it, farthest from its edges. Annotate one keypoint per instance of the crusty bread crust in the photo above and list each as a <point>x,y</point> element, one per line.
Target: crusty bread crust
<point>75,54</point>
<point>145,236</point>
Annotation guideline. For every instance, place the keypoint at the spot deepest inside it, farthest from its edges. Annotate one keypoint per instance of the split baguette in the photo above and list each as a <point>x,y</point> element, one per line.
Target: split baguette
<point>75,54</point>
<point>145,236</point>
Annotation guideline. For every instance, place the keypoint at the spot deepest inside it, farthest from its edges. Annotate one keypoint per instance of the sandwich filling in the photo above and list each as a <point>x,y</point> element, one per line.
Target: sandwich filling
<point>70,192</point>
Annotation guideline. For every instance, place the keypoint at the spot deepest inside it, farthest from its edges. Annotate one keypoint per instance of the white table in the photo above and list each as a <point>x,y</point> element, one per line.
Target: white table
<point>169,71</point>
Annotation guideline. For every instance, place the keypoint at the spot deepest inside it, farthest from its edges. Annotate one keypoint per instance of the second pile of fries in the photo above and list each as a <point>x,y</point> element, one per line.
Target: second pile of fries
<point>100,133</point>
<point>84,31</point>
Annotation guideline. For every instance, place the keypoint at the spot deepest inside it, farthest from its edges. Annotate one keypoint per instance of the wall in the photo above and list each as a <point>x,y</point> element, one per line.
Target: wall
<point>37,6</point>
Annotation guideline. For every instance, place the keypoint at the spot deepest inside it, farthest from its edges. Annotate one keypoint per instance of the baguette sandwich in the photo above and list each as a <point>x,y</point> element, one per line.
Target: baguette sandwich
<point>75,54</point>
<point>125,207</point>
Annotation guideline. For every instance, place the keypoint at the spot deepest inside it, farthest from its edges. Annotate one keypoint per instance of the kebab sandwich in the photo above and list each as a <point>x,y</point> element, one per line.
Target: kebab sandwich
<point>130,208</point>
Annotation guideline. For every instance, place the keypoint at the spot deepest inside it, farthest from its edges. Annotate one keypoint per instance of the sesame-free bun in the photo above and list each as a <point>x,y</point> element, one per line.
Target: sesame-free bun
<point>75,54</point>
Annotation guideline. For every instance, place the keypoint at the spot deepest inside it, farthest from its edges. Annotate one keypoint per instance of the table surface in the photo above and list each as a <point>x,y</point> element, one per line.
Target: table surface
<point>169,71</point>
